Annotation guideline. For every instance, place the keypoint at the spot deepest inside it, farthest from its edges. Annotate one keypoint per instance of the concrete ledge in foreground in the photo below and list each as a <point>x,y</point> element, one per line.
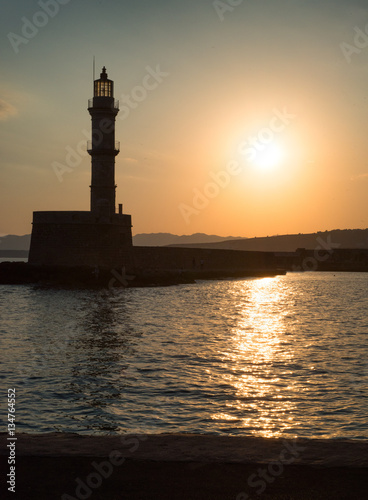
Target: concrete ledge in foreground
<point>194,448</point>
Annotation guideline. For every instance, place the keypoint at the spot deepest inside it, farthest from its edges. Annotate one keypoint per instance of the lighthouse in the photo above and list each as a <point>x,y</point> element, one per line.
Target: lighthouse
<point>103,148</point>
<point>102,236</point>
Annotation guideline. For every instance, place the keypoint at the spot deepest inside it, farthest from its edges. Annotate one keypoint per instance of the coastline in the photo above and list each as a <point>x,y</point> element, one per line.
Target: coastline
<point>188,466</point>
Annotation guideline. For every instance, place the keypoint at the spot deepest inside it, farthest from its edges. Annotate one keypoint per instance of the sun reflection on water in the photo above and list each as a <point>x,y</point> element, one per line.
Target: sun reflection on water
<point>269,357</point>
<point>259,395</point>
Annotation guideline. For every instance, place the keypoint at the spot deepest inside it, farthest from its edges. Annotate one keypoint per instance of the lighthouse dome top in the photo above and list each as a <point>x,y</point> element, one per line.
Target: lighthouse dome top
<point>103,87</point>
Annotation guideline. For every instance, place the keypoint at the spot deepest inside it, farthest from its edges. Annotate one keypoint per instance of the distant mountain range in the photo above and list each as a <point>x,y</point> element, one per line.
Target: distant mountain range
<point>342,238</point>
<point>338,238</point>
<point>12,242</point>
<point>166,239</point>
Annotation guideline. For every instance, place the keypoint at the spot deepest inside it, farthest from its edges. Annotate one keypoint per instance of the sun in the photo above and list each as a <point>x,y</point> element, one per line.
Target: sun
<point>270,157</point>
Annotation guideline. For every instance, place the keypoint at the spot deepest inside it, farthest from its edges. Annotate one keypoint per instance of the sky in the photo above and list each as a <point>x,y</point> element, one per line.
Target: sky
<point>237,118</point>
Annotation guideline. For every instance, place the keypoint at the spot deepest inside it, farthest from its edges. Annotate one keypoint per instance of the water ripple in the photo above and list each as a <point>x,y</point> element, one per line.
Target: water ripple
<point>285,356</point>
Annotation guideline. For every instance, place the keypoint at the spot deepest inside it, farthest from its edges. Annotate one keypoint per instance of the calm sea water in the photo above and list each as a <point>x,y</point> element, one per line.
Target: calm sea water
<point>284,356</point>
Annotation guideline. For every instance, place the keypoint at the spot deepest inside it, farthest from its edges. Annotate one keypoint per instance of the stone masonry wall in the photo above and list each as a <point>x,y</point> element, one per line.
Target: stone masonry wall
<point>76,240</point>
<point>154,259</point>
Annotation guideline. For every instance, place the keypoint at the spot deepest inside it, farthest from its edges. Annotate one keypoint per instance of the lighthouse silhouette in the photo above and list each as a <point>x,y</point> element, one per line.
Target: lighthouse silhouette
<point>103,109</point>
<point>101,237</point>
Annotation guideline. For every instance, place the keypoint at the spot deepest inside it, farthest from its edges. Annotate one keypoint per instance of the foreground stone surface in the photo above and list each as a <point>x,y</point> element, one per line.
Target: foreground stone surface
<point>186,467</point>
<point>195,447</point>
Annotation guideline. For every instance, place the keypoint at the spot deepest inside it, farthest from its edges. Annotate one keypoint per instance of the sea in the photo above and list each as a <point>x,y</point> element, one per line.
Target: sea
<point>275,357</point>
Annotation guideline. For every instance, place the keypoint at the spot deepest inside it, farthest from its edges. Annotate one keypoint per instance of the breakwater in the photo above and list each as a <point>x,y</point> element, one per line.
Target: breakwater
<point>150,266</point>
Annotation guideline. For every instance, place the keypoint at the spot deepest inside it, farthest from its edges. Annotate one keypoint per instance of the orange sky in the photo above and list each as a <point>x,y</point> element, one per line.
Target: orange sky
<point>275,94</point>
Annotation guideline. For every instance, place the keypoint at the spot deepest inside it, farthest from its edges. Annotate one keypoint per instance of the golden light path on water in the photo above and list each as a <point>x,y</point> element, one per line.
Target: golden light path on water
<point>255,341</point>
<point>273,357</point>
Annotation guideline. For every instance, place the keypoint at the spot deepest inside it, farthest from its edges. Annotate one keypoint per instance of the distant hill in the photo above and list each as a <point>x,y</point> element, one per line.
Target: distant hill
<point>13,242</point>
<point>345,238</point>
<point>166,239</point>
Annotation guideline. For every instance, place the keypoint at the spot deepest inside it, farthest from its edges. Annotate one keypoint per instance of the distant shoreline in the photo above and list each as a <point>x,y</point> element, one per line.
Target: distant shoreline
<point>336,238</point>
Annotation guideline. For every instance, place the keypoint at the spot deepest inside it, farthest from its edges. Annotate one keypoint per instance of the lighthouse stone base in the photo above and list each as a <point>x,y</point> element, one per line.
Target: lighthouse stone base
<point>81,239</point>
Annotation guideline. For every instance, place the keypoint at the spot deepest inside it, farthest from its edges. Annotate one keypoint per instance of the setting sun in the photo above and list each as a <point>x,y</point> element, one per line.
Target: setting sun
<point>270,157</point>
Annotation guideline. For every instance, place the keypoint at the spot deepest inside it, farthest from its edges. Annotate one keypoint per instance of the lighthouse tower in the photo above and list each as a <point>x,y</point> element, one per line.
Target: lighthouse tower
<point>103,109</point>
<point>100,237</point>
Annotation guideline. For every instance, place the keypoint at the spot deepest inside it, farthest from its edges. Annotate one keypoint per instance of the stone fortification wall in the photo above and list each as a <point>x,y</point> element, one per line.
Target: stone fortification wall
<point>78,239</point>
<point>156,259</point>
<point>77,217</point>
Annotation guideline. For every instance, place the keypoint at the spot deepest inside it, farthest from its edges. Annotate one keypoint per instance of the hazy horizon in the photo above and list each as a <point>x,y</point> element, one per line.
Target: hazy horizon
<point>217,235</point>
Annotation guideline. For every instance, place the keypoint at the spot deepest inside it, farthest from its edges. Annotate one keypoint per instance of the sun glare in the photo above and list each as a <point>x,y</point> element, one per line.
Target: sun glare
<point>269,158</point>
